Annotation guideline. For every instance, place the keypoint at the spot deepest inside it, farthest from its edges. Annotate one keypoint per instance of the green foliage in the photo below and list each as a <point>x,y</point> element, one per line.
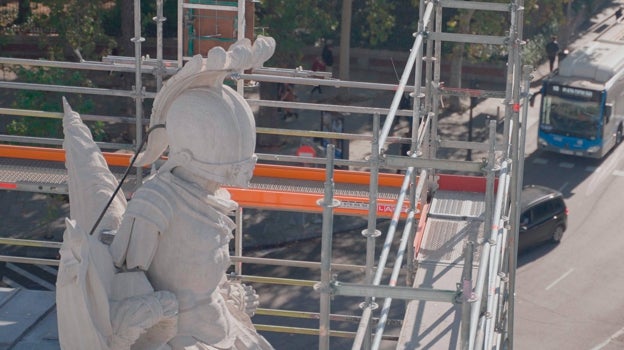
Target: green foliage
<point>45,101</point>
<point>373,22</point>
<point>17,127</point>
<point>542,20</point>
<point>148,12</point>
<point>406,24</point>
<point>542,16</point>
<point>111,19</point>
<point>98,132</point>
<point>37,127</point>
<point>480,23</point>
<point>533,52</point>
<point>78,25</point>
<point>16,20</point>
<point>295,25</point>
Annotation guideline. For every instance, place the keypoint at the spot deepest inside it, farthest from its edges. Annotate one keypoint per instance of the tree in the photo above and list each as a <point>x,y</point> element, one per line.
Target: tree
<point>48,101</point>
<point>127,27</point>
<point>461,24</point>
<point>78,26</point>
<point>374,21</point>
<point>23,12</point>
<point>71,26</point>
<point>295,25</point>
<point>345,38</point>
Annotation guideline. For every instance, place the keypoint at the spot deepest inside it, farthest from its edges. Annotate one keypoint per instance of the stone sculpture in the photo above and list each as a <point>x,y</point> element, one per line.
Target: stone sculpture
<point>161,284</point>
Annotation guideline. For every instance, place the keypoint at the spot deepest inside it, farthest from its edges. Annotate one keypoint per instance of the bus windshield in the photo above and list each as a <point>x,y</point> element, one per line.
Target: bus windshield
<point>570,118</point>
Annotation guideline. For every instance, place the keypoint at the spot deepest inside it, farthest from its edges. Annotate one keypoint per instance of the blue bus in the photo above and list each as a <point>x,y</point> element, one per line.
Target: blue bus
<point>582,105</point>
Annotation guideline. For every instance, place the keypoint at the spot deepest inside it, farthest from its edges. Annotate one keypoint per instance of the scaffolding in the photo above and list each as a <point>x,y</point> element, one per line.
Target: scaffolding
<point>209,23</point>
<point>481,294</point>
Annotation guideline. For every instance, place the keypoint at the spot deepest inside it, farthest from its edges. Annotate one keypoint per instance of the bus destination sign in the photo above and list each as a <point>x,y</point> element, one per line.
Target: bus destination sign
<point>573,92</point>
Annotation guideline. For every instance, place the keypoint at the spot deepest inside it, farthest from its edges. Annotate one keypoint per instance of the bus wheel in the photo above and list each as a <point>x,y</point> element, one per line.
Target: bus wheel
<point>618,136</point>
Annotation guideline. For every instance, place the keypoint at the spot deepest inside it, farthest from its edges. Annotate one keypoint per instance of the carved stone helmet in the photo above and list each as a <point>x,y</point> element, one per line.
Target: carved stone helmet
<point>213,136</point>
<point>209,128</point>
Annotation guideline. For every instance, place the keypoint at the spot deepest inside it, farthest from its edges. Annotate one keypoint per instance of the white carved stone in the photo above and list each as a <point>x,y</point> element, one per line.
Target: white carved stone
<point>99,307</point>
<point>174,233</point>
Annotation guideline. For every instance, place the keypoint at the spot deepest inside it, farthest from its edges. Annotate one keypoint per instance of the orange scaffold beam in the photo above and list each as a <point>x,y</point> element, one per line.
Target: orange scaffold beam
<point>56,154</point>
<point>309,202</point>
<point>256,198</point>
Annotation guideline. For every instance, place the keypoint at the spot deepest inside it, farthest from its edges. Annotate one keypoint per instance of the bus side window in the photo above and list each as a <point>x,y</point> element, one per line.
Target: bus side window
<point>607,112</point>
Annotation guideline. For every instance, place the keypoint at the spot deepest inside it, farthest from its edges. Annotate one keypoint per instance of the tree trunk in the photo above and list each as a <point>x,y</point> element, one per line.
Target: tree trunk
<point>127,27</point>
<point>345,39</point>
<point>457,60</point>
<point>456,103</point>
<point>23,12</point>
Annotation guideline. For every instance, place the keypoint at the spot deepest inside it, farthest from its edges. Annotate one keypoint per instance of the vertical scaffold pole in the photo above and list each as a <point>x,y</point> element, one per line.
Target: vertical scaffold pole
<point>517,146</point>
<point>434,89</point>
<point>159,19</point>
<point>138,89</point>
<point>238,241</point>
<point>467,296</point>
<point>180,32</point>
<point>328,203</point>
<point>519,139</point>
<point>363,335</point>
<point>241,25</point>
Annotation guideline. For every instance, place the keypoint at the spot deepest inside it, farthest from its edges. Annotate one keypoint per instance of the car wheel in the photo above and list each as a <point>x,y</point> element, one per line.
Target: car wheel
<point>558,234</point>
<point>618,136</point>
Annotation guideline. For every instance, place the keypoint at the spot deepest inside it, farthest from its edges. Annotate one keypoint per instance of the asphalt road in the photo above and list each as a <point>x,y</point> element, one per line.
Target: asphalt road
<point>570,296</point>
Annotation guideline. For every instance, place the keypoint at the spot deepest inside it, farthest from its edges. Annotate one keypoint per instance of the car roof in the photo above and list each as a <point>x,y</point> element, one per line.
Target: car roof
<point>535,193</point>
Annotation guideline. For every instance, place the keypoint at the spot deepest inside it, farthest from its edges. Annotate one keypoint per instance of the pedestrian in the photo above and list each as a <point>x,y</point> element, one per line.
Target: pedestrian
<point>327,55</point>
<point>318,66</point>
<point>287,93</point>
<point>405,103</point>
<point>618,14</point>
<point>552,49</point>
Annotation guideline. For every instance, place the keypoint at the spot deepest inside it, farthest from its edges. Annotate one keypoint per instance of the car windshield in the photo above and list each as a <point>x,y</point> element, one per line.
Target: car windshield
<point>570,118</point>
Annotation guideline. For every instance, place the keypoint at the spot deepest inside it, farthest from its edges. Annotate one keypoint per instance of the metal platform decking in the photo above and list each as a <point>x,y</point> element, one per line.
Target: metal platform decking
<point>272,187</point>
<point>453,219</point>
<point>44,176</point>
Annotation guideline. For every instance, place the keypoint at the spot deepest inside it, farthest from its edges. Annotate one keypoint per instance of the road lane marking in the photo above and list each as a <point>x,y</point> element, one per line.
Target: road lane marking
<point>606,342</point>
<point>565,184</point>
<point>566,165</point>
<point>606,169</point>
<point>559,279</point>
<point>540,161</point>
<point>591,169</point>
<point>618,172</point>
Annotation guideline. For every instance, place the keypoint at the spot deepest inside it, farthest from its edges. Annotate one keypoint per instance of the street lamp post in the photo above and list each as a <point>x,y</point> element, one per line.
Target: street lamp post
<point>473,102</point>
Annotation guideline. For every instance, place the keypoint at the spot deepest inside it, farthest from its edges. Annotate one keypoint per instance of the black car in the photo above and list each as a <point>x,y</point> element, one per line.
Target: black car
<point>544,216</point>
